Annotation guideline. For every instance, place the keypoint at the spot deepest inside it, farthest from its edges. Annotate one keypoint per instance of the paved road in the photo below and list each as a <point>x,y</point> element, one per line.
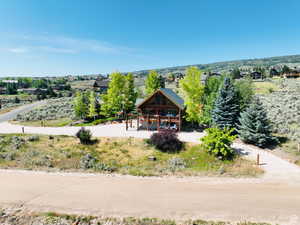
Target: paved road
<point>12,114</point>
<point>208,198</point>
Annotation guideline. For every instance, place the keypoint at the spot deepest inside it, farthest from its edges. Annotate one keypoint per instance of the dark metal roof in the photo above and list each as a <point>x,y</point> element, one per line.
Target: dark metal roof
<point>173,97</point>
<point>101,83</point>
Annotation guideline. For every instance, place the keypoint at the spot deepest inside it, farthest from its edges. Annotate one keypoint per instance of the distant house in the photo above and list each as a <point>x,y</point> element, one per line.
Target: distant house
<point>2,90</point>
<point>274,72</point>
<point>163,110</point>
<point>32,91</point>
<point>101,85</point>
<point>256,75</point>
<point>293,73</point>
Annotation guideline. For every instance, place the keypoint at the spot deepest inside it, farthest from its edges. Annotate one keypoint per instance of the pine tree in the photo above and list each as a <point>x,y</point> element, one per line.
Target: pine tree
<point>92,105</point>
<point>254,126</point>
<point>193,91</point>
<point>113,101</point>
<point>153,82</point>
<point>226,108</point>
<point>130,95</point>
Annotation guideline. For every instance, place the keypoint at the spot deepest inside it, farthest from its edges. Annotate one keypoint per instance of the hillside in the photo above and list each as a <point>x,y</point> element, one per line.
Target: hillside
<point>290,60</point>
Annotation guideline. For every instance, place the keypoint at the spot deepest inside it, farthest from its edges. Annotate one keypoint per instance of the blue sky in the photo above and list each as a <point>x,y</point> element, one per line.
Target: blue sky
<point>59,37</point>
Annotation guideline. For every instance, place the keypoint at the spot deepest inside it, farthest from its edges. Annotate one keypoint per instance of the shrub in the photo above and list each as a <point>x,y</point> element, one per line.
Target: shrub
<point>166,141</point>
<point>88,161</point>
<point>176,163</point>
<point>84,136</point>
<point>218,141</point>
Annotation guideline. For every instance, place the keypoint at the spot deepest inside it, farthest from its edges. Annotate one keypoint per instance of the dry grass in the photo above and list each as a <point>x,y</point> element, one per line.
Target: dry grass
<point>124,156</point>
<point>6,110</point>
<point>265,87</point>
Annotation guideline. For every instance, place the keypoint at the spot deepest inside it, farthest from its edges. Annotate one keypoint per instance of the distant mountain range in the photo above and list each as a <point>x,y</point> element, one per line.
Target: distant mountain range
<point>277,61</point>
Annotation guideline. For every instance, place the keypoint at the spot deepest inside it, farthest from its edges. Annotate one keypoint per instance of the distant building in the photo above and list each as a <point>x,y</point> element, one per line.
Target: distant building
<point>32,91</point>
<point>101,86</point>
<point>2,90</point>
<point>293,73</point>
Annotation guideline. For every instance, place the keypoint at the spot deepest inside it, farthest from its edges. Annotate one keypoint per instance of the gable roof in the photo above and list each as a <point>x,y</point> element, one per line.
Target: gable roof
<point>170,94</point>
<point>101,83</point>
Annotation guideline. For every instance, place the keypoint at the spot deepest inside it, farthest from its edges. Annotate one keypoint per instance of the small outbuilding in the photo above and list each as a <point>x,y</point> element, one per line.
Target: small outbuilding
<point>163,110</point>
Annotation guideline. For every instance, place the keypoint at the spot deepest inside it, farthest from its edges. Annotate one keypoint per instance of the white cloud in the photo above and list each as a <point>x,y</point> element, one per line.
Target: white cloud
<point>69,45</point>
<point>19,50</point>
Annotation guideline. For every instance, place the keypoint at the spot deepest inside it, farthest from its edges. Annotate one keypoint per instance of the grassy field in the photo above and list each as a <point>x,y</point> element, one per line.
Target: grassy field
<point>22,217</point>
<point>119,155</point>
<point>265,87</point>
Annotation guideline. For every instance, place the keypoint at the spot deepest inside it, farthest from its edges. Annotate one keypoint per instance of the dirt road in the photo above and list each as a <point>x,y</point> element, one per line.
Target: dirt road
<point>25,108</point>
<point>207,198</point>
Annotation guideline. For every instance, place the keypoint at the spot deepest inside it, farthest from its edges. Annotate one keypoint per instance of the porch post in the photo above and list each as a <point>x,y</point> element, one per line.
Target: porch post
<point>138,122</point>
<point>147,121</point>
<point>179,127</point>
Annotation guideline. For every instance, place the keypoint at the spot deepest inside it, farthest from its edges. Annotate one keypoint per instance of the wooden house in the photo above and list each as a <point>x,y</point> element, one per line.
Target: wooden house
<point>163,110</point>
<point>101,85</point>
<point>293,73</point>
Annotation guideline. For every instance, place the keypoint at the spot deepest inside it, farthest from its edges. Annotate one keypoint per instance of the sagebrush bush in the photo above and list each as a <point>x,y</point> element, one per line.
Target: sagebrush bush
<point>54,109</point>
<point>166,141</point>
<point>218,141</point>
<point>84,136</point>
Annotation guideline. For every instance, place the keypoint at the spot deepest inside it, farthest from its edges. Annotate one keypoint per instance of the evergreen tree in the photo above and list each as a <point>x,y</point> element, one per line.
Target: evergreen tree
<point>92,105</point>
<point>193,91</point>
<point>113,100</point>
<point>254,126</point>
<point>130,95</point>
<point>226,108</point>
<point>80,105</point>
<point>152,83</point>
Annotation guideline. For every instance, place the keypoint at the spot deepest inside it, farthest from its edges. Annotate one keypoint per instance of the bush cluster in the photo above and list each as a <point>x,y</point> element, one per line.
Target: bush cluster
<point>166,141</point>
<point>218,141</point>
<point>54,109</point>
<point>283,109</point>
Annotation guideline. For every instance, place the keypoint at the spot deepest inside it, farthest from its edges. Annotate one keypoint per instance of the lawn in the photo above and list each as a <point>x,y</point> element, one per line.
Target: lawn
<point>115,155</point>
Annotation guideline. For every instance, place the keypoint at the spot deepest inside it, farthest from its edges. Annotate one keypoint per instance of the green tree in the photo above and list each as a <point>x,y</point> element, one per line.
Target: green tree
<point>211,89</point>
<point>245,92</point>
<point>285,69</point>
<point>226,108</point>
<point>130,94</point>
<point>153,82</point>
<point>218,142</point>
<point>80,105</point>
<point>92,105</point>
<point>113,100</point>
<point>236,73</point>
<point>255,127</point>
<point>193,91</point>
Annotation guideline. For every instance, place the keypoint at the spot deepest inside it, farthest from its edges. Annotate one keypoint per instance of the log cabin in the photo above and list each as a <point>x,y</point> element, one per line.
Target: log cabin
<point>163,110</point>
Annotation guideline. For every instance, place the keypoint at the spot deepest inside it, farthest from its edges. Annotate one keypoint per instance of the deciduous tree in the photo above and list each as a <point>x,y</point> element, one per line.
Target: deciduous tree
<point>193,91</point>
<point>153,82</point>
